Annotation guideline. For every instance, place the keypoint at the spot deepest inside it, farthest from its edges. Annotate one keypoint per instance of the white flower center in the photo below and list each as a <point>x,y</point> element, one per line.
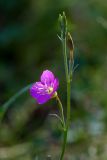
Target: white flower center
<point>50,90</point>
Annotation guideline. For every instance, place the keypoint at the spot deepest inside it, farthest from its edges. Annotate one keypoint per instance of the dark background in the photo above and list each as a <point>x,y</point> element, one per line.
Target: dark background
<point>29,45</point>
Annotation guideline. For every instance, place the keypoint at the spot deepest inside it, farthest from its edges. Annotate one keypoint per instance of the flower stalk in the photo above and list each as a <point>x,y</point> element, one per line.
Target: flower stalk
<point>61,111</point>
<point>68,72</point>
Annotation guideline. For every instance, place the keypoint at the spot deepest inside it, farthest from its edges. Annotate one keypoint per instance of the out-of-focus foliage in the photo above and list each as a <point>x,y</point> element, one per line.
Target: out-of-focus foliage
<point>28,45</point>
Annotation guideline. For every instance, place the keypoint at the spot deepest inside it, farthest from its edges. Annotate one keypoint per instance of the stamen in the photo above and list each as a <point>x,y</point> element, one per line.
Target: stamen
<point>50,90</point>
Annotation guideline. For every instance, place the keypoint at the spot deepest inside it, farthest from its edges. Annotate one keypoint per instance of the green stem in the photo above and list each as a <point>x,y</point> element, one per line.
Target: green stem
<point>67,121</point>
<point>8,104</point>
<point>65,56</point>
<point>63,37</point>
<point>68,103</point>
<point>61,111</point>
<point>66,73</point>
<point>64,143</point>
<point>64,127</point>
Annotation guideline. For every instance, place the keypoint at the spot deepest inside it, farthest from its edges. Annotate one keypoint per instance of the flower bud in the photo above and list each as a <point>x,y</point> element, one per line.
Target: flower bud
<point>70,46</point>
<point>63,24</point>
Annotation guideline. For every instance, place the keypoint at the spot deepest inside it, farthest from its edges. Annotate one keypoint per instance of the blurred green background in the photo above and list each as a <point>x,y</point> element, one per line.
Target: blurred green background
<point>29,45</point>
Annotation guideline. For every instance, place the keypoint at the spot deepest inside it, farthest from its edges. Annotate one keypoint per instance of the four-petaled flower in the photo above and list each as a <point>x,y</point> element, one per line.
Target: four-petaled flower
<point>45,89</point>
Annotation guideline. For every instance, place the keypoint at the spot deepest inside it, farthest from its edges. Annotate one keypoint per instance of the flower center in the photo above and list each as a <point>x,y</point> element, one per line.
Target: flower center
<point>50,90</point>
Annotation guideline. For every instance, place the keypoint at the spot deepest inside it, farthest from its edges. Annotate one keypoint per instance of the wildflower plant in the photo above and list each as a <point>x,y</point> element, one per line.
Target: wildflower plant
<point>46,88</point>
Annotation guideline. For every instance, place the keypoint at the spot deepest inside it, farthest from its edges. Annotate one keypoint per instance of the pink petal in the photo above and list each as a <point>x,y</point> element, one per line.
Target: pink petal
<point>41,99</point>
<point>38,92</point>
<point>47,77</point>
<point>56,84</point>
<point>37,88</point>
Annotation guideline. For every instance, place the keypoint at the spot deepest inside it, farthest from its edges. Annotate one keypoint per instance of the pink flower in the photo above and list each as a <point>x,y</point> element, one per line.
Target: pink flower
<point>45,89</point>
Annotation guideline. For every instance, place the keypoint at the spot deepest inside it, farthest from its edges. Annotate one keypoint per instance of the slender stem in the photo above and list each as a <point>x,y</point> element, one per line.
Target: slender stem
<point>64,144</point>
<point>61,111</point>
<point>64,127</point>
<point>59,118</point>
<point>68,103</point>
<point>65,56</point>
<point>68,81</point>
<point>67,121</point>
<point>66,72</point>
